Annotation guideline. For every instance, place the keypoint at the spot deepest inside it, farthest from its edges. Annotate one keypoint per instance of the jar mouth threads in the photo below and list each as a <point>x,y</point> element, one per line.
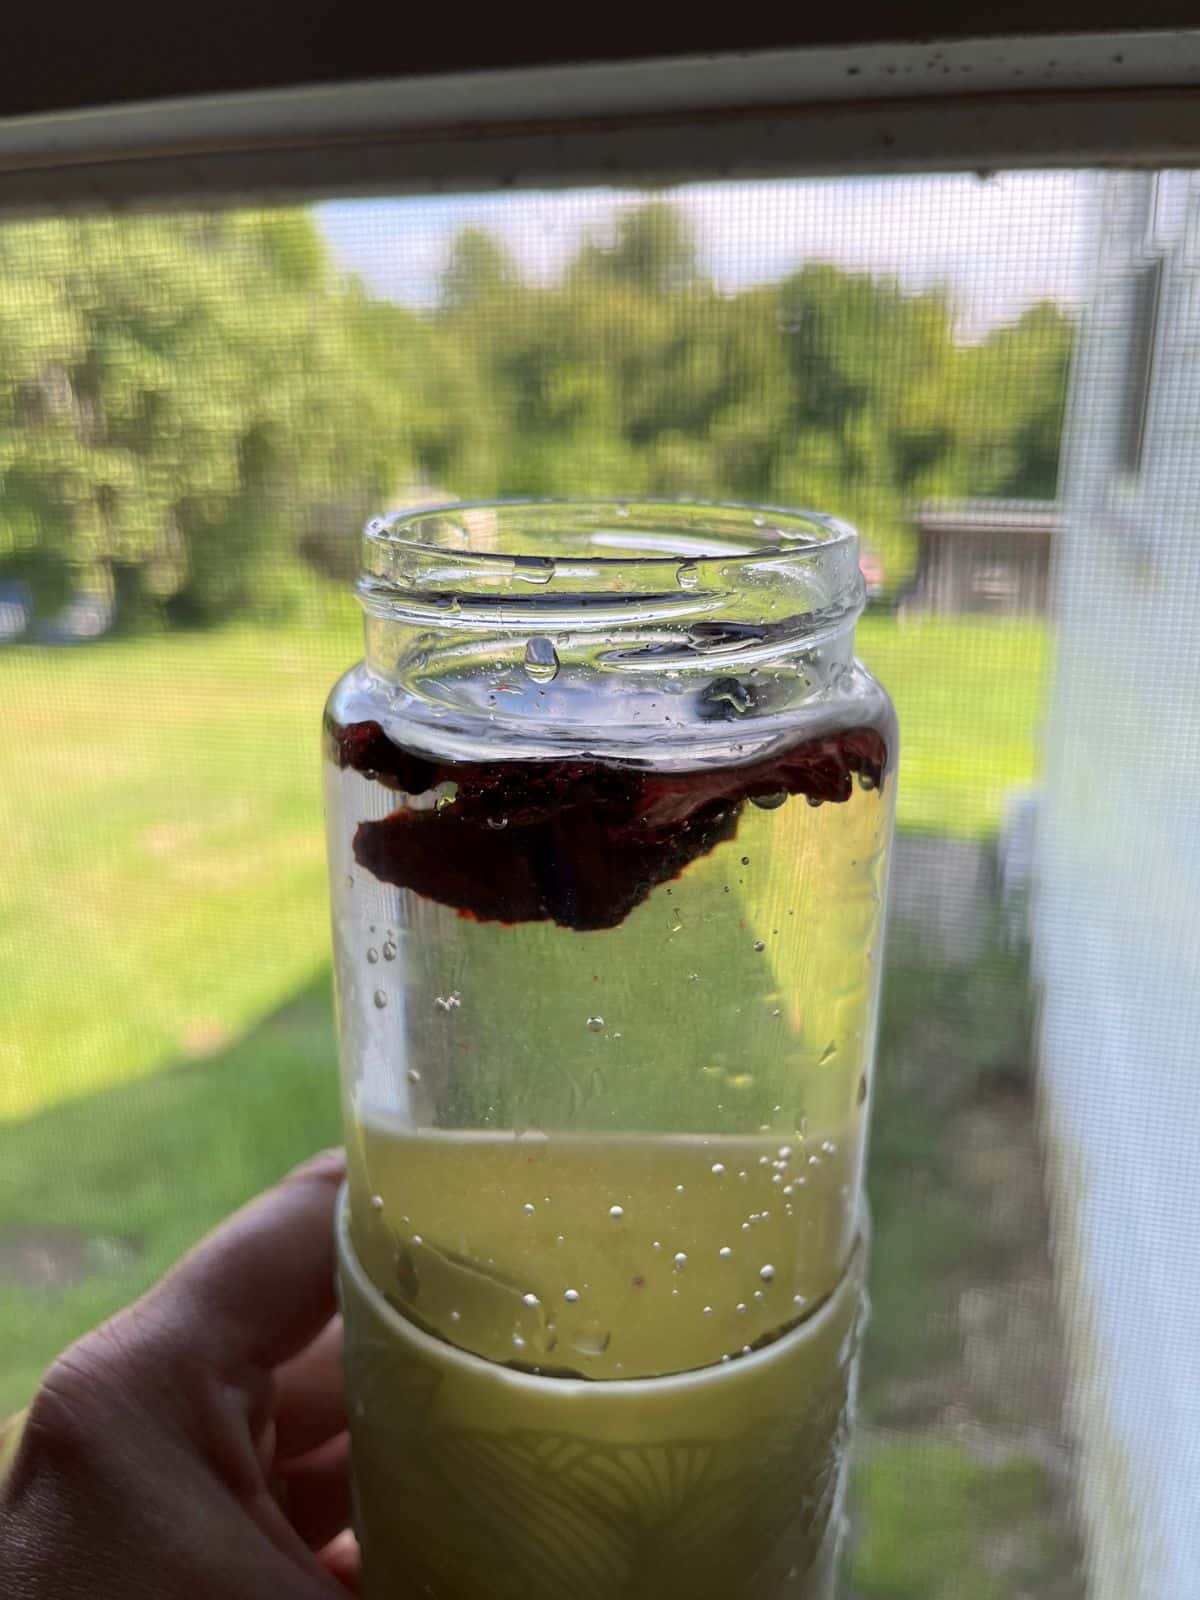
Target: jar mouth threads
<point>593,564</point>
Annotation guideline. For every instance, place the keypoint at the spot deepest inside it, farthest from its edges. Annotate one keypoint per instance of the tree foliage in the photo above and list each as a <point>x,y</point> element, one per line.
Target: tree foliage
<point>181,396</point>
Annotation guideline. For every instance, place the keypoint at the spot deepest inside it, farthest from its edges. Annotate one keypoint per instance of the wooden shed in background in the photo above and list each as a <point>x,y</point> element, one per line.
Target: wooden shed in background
<point>988,556</point>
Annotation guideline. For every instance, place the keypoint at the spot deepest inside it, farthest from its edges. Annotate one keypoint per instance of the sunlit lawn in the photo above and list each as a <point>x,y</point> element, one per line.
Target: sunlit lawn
<point>162,906</point>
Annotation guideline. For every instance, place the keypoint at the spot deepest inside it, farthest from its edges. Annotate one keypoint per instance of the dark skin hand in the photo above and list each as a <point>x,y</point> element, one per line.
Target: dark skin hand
<point>195,1447</point>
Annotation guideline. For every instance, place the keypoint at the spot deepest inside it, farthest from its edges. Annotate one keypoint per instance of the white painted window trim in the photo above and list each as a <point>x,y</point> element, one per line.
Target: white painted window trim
<point>1099,99</point>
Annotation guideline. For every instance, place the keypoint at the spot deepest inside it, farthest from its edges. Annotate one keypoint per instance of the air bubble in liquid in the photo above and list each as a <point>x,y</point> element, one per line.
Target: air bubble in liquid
<point>376,1202</point>
<point>527,1208</point>
<point>530,1302</point>
<point>372,955</point>
<point>687,576</point>
<point>718,1169</point>
<point>541,659</point>
<point>389,951</point>
<point>680,1261</point>
<point>766,1273</point>
<point>595,1024</point>
<point>725,1253</point>
<point>448,1002</point>
<point>760,945</point>
<point>616,1212</point>
<point>380,999</point>
<point>769,802</point>
<point>571,1296</point>
<point>413,1075</point>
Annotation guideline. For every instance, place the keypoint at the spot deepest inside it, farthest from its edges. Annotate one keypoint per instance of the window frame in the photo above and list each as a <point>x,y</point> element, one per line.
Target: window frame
<point>1128,98</point>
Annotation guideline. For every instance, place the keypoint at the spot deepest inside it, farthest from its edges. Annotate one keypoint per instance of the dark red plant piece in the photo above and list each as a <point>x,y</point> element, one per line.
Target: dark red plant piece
<point>576,842</point>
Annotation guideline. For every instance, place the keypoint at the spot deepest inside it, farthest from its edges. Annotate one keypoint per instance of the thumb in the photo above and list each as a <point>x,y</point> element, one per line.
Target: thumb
<point>262,1286</point>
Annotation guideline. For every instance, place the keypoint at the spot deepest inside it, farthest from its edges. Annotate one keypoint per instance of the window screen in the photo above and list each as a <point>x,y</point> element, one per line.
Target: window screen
<point>994,379</point>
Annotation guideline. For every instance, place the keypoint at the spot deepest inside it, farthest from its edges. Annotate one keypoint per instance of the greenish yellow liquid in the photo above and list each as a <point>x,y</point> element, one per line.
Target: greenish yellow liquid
<point>602,1256</point>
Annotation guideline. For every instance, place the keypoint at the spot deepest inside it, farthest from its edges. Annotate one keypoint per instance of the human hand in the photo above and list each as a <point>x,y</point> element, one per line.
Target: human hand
<point>195,1447</point>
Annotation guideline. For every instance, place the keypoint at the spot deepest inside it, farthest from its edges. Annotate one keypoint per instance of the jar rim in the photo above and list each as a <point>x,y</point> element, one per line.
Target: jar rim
<point>509,566</point>
<point>766,530</point>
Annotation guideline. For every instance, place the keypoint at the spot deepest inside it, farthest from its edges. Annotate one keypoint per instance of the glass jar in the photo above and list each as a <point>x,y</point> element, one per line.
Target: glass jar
<point>609,803</point>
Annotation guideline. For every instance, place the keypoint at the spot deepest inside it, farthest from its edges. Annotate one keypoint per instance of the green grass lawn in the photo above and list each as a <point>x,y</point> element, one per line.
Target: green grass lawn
<point>970,698</point>
<point>167,1046</point>
<point>136,1173</point>
<point>164,878</point>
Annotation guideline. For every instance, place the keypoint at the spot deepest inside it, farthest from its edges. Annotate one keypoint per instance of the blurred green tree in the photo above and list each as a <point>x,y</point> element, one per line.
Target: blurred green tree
<point>170,387</point>
<point>190,404</point>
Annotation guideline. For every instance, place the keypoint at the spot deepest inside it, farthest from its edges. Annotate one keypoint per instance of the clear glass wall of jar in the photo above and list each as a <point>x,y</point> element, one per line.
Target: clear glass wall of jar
<point>609,805</point>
